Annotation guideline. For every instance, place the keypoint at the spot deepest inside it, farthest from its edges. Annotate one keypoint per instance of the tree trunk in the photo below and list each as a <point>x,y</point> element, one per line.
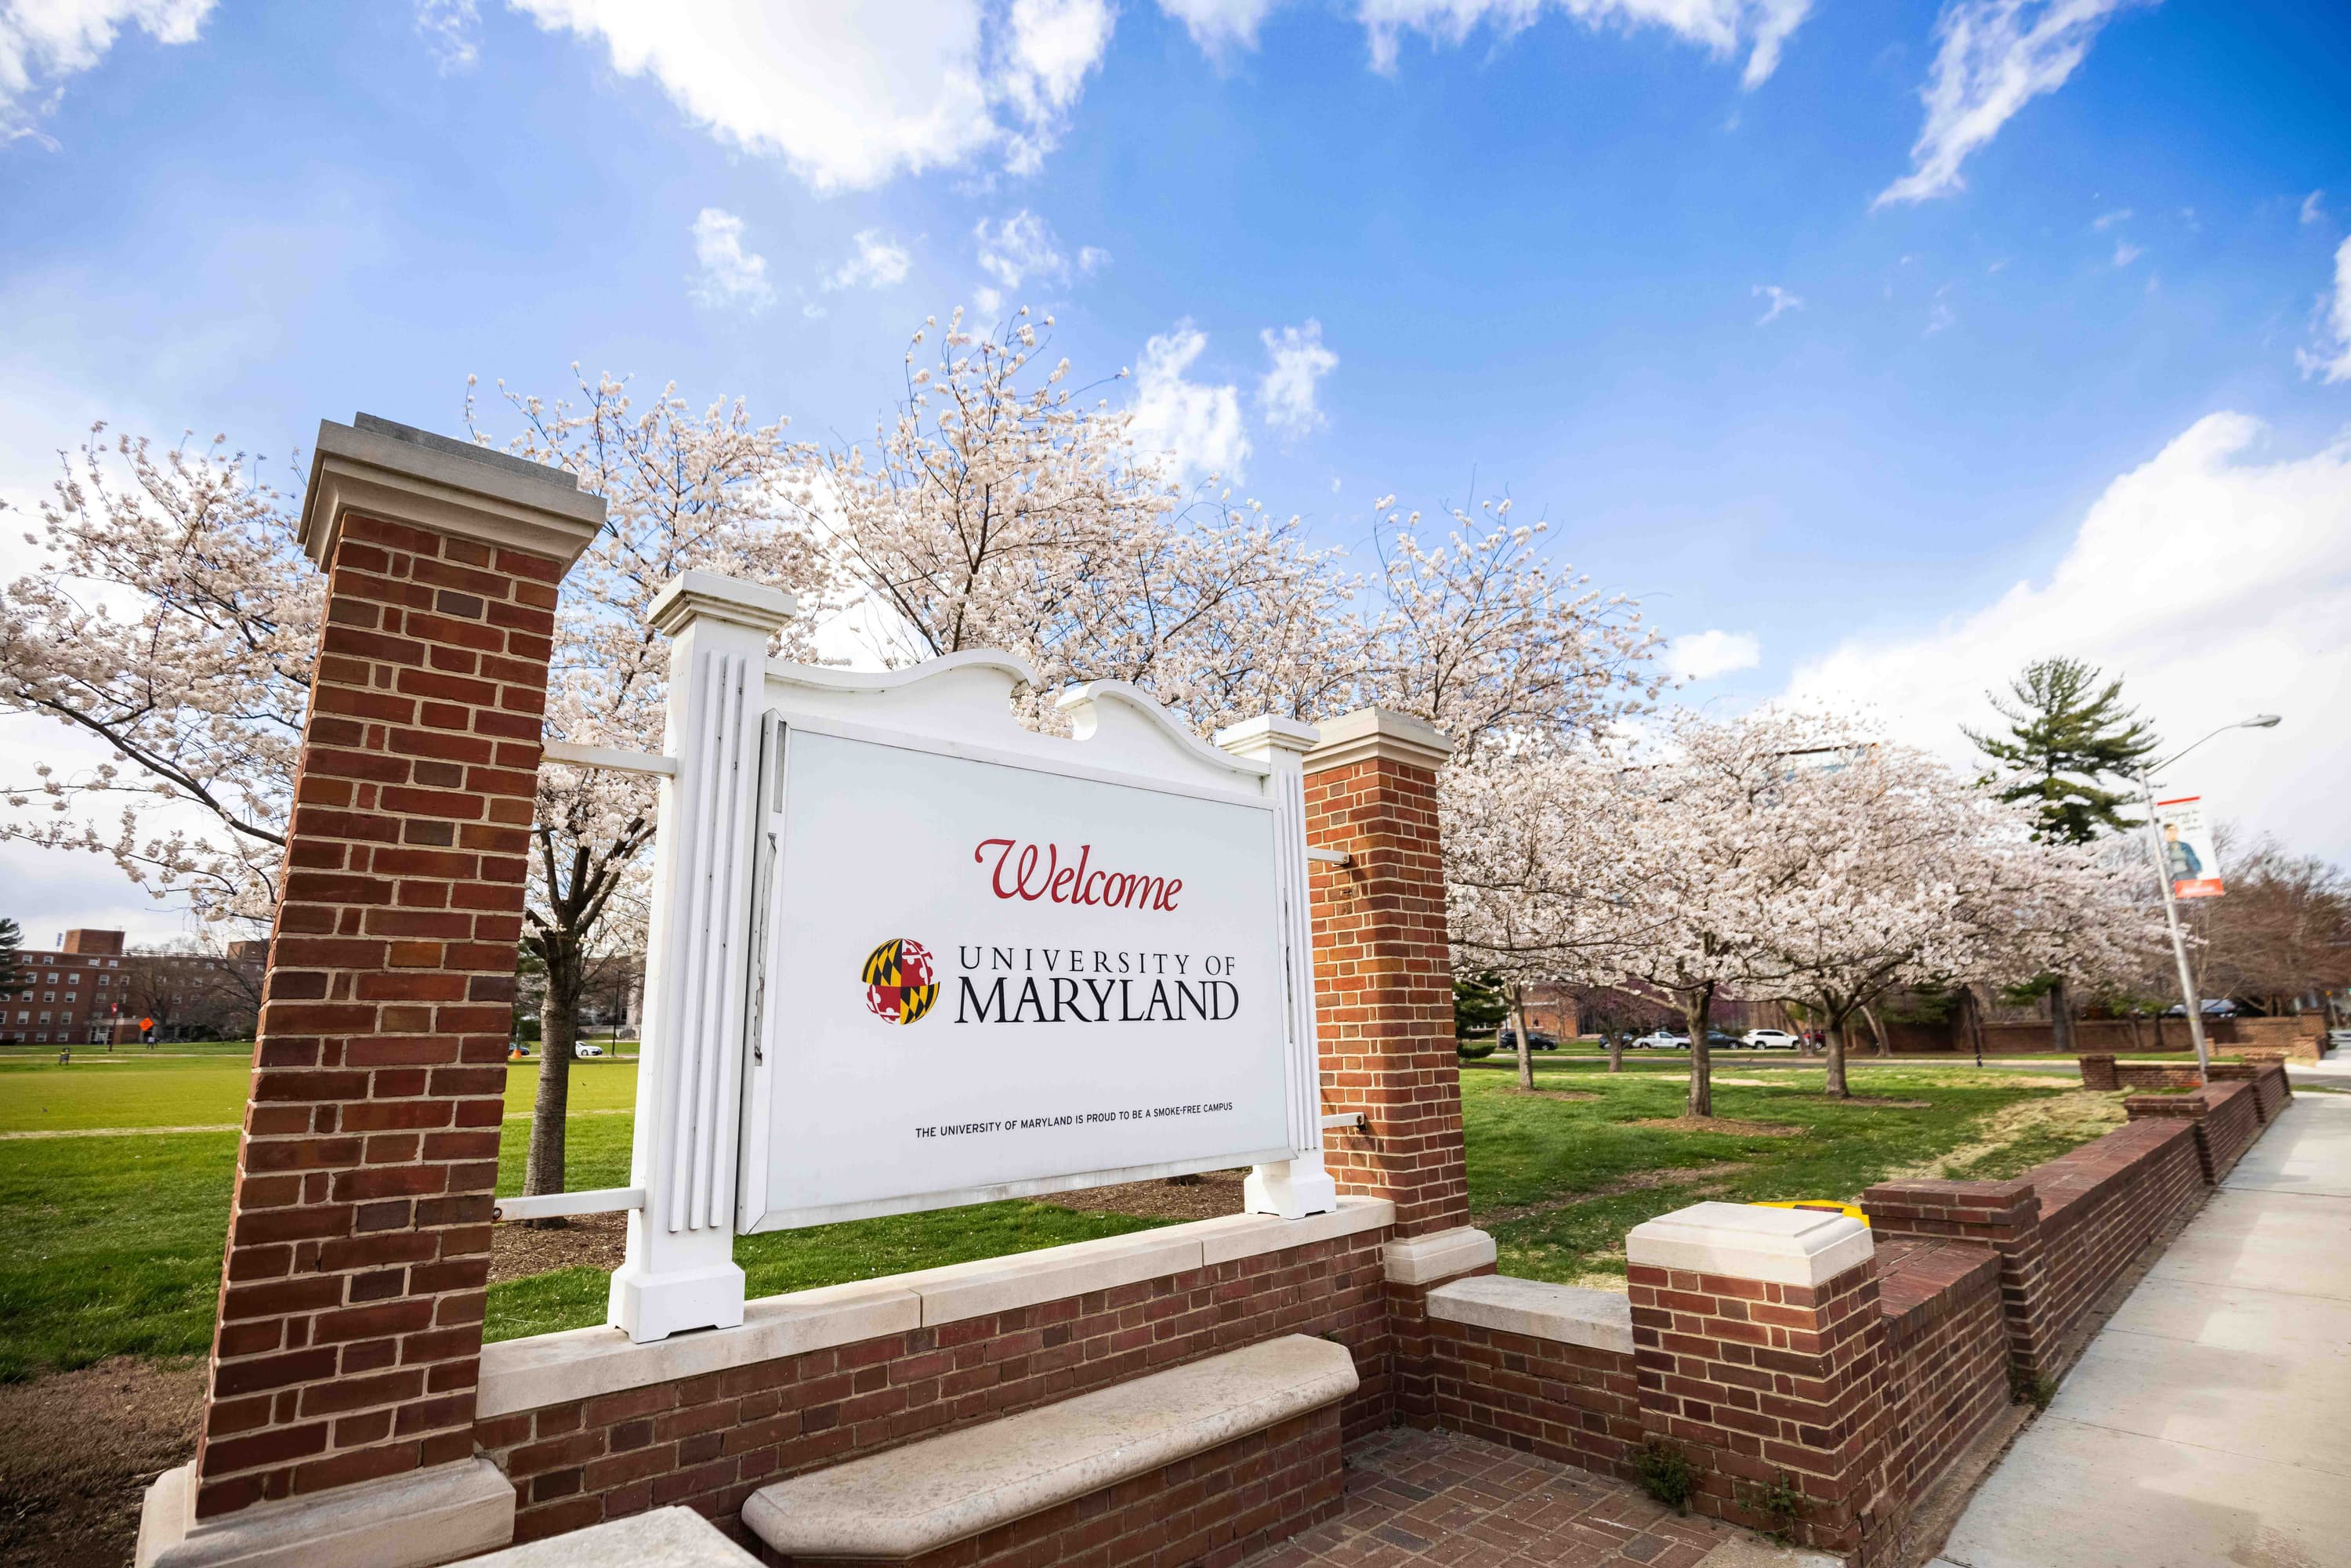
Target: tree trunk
<point>1832,1025</point>
<point>1698,1007</point>
<point>558,1033</point>
<point>1878,1029</point>
<point>1616,1052</point>
<point>1526,1048</point>
<point>1975,1021</point>
<point>2061,1017</point>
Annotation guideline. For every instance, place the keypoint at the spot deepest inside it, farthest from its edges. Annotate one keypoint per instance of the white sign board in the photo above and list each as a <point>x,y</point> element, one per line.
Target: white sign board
<point>2190,858</point>
<point>984,974</point>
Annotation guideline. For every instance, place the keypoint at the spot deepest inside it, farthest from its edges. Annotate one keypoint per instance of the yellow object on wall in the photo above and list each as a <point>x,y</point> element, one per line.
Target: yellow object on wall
<point>1822,1204</point>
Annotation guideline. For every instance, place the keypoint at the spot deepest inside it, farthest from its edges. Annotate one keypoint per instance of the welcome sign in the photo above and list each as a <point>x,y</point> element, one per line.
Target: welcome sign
<point>985,971</point>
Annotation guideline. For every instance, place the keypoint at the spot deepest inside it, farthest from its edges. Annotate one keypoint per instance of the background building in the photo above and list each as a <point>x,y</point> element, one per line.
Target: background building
<point>86,990</point>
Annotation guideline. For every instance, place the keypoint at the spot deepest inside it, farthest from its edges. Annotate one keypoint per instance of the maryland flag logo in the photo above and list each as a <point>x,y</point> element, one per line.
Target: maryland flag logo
<point>899,984</point>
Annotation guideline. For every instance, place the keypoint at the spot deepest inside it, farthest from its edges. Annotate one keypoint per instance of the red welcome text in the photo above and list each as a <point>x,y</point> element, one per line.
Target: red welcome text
<point>1032,872</point>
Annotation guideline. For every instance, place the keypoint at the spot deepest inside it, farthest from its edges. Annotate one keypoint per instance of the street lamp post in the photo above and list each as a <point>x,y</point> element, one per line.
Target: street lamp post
<point>2189,1001</point>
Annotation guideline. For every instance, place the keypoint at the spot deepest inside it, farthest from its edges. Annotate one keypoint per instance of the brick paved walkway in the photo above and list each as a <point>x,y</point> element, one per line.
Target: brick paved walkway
<point>1436,1498</point>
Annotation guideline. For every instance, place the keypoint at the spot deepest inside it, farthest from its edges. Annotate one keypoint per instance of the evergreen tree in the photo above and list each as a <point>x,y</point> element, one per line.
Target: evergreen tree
<point>1478,1006</point>
<point>2066,735</point>
<point>12,938</point>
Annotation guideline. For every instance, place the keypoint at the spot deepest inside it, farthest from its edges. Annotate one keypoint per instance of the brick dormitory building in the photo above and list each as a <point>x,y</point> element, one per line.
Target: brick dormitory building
<point>86,990</point>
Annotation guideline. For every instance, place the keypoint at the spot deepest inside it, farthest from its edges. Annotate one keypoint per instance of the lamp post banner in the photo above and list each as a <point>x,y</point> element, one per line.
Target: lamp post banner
<point>2190,858</point>
<point>976,975</point>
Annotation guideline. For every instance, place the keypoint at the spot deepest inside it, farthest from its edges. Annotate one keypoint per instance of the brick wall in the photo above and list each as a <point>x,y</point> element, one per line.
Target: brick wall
<point>2272,1087</point>
<point>1383,991</point>
<point>351,1306</point>
<point>1762,1384</point>
<point>1576,1404</point>
<point>1946,1355</point>
<point>710,1441</point>
<point>1214,1508</point>
<point>2225,1118</point>
<point>2151,1075</point>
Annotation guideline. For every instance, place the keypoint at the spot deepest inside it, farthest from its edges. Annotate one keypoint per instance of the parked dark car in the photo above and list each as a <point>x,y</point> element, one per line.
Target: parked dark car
<point>1508,1039</point>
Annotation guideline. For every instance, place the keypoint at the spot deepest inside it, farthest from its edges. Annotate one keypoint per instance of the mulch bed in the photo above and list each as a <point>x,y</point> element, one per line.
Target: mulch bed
<point>1211,1195</point>
<point>77,1451</point>
<point>584,1240</point>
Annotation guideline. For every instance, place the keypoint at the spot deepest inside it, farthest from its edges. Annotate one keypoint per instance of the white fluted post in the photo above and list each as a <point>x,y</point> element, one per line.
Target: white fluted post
<point>1296,1188</point>
<point>680,1271</point>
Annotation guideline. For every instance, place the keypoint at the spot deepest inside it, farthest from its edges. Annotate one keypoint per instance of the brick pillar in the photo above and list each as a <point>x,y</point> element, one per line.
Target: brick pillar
<point>2097,1073</point>
<point>2004,1216</point>
<point>1760,1352</point>
<point>1383,1015</point>
<point>350,1322</point>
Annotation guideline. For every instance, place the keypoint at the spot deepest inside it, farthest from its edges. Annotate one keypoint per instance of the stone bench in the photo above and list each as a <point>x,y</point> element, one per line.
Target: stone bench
<point>666,1538</point>
<point>1235,1449</point>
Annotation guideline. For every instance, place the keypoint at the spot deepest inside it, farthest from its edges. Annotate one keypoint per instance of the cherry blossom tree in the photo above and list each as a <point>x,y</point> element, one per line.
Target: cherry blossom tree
<point>998,507</point>
<point>1487,638</point>
<point>1704,836</point>
<point>171,623</point>
<point>1535,871</point>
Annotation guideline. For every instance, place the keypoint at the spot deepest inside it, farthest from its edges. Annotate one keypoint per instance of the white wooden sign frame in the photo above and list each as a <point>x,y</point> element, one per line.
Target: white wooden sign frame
<point>705,1074</point>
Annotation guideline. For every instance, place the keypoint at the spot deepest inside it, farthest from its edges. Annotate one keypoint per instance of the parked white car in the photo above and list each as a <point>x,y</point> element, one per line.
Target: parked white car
<point>1663,1039</point>
<point>1769,1039</point>
<point>583,1052</point>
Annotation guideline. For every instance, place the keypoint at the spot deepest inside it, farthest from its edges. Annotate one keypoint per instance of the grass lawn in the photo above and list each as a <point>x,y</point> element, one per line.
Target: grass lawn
<point>115,1242</point>
<point>1558,1178</point>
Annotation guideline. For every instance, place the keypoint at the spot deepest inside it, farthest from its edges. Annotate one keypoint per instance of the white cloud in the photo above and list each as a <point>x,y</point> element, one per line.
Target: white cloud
<point>1020,247</point>
<point>449,29</point>
<point>851,93</point>
<point>880,262</point>
<point>1220,27</point>
<point>2214,583</point>
<point>1710,653</point>
<point>730,274</point>
<point>1299,362</point>
<point>43,41</point>
<point>2332,360</point>
<point>987,302</point>
<point>2126,253</point>
<point>1940,316</point>
<point>2105,221</point>
<point>1994,57</point>
<point>1198,427</point>
<point>2313,209</point>
<point>1780,302</point>
<point>1091,258</point>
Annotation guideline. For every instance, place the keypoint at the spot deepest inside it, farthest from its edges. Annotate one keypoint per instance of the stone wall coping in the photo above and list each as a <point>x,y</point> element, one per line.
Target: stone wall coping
<point>671,1537</point>
<point>407,476</point>
<point>1377,734</point>
<point>581,1364</point>
<point>1566,1314</point>
<point>1440,1255</point>
<point>908,1501</point>
<point>412,1519</point>
<point>1740,1241</point>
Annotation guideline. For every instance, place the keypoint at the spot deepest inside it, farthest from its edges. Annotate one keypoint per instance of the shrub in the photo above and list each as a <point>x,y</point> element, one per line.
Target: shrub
<point>1666,1473</point>
<point>1474,1050</point>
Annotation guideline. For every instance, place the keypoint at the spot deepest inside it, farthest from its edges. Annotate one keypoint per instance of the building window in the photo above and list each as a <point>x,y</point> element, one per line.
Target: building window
<point>45,1018</point>
<point>73,995</point>
<point>48,996</point>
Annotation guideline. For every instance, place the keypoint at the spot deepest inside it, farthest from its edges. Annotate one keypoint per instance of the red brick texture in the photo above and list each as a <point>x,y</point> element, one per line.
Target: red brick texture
<point>1569,1403</point>
<point>2155,1076</point>
<point>2064,1231</point>
<point>1384,991</point>
<point>2272,1088</point>
<point>2226,1117</point>
<point>709,1442</point>
<point>2098,1074</point>
<point>1762,1384</point>
<point>1207,1511</point>
<point>1945,1357</point>
<point>359,1241</point>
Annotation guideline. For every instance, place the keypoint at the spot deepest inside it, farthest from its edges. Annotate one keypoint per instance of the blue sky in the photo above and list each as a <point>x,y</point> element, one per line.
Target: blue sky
<point>1871,379</point>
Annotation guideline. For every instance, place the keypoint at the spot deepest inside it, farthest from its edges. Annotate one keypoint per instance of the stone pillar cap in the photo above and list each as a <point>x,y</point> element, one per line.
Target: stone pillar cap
<point>1255,737</point>
<point>403,474</point>
<point>1378,734</point>
<point>699,595</point>
<point>1740,1241</point>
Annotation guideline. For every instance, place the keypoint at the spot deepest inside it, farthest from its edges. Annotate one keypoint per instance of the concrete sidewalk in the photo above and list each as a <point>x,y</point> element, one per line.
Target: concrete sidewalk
<point>2210,1422</point>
